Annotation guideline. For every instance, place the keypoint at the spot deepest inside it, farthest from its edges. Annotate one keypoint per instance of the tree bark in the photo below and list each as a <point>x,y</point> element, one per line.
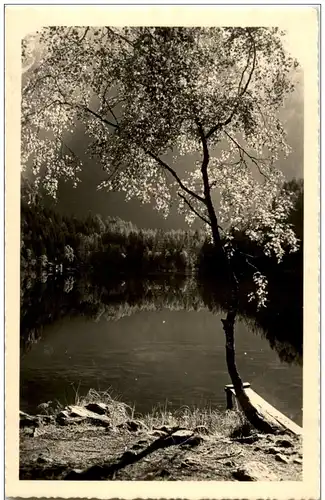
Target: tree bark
<point>250,412</point>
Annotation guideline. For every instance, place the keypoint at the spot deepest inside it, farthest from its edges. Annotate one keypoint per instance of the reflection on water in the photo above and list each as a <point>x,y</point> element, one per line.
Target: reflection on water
<point>151,343</point>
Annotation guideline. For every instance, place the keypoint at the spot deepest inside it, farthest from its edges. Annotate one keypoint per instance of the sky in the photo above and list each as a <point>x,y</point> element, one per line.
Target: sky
<point>86,198</point>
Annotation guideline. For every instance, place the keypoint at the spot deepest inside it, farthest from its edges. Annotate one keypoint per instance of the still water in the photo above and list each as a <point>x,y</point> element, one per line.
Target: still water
<point>150,358</point>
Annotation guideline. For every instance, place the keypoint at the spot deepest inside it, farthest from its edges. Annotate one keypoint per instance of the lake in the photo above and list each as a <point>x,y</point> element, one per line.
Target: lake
<point>160,352</point>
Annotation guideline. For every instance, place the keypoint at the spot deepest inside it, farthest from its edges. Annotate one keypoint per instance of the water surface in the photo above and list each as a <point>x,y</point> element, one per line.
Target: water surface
<point>166,357</point>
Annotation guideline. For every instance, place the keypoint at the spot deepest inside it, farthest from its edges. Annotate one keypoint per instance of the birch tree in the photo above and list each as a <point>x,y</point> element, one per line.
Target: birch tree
<point>145,96</point>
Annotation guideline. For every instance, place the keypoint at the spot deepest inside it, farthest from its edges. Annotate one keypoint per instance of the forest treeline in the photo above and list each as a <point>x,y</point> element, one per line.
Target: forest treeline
<point>109,246</point>
<point>113,246</point>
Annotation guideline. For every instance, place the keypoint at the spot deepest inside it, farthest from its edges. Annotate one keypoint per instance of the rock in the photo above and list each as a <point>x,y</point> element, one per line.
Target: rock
<point>74,474</point>
<point>46,419</point>
<point>43,459</point>
<point>183,436</point>
<point>297,461</point>
<point>133,425</point>
<point>284,443</point>
<point>93,473</point>
<point>158,433</point>
<point>63,414</point>
<point>26,420</point>
<point>79,411</point>
<point>282,458</point>
<point>128,456</point>
<point>29,431</point>
<point>201,429</point>
<point>272,450</point>
<point>93,418</point>
<point>137,446</point>
<point>254,471</point>
<point>64,418</point>
<point>167,428</point>
<point>183,433</point>
<point>99,408</point>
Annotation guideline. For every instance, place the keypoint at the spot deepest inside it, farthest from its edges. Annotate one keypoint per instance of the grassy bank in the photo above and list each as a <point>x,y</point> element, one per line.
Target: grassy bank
<point>99,438</point>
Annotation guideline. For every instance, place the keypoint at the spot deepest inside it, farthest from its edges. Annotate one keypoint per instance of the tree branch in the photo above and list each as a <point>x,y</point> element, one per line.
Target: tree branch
<point>206,221</point>
<point>205,161</point>
<point>206,184</point>
<point>119,35</point>
<point>240,94</point>
<point>111,109</point>
<point>85,33</point>
<point>252,158</point>
<point>104,120</point>
<point>173,173</point>
<point>252,69</point>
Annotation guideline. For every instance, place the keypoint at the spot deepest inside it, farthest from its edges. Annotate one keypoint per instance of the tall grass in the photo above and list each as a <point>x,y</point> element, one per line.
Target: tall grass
<point>205,420</point>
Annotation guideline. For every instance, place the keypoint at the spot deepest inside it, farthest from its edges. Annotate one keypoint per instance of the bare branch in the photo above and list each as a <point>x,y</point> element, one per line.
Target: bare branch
<point>250,264</point>
<point>84,35</point>
<point>66,146</point>
<point>206,221</point>
<point>252,69</point>
<point>119,35</point>
<point>244,71</point>
<point>110,108</point>
<point>173,173</point>
<point>243,151</point>
<point>104,120</point>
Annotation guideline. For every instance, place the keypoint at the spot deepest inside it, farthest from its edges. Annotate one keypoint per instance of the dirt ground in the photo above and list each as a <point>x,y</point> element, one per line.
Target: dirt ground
<point>91,452</point>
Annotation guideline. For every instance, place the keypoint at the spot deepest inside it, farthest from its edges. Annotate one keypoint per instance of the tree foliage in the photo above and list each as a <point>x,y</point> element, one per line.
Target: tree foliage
<point>146,96</point>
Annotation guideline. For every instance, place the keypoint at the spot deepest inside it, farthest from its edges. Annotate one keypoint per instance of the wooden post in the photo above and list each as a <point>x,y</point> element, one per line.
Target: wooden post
<point>230,396</point>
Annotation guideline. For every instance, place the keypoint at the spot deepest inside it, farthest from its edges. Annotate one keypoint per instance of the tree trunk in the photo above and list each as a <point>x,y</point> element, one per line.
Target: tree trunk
<point>250,412</point>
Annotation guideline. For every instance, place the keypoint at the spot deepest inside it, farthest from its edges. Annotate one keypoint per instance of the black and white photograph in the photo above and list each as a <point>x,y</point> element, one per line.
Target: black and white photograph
<point>162,277</point>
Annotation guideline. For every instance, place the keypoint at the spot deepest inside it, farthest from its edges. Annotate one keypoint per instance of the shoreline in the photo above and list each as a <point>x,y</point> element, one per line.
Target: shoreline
<point>99,438</point>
